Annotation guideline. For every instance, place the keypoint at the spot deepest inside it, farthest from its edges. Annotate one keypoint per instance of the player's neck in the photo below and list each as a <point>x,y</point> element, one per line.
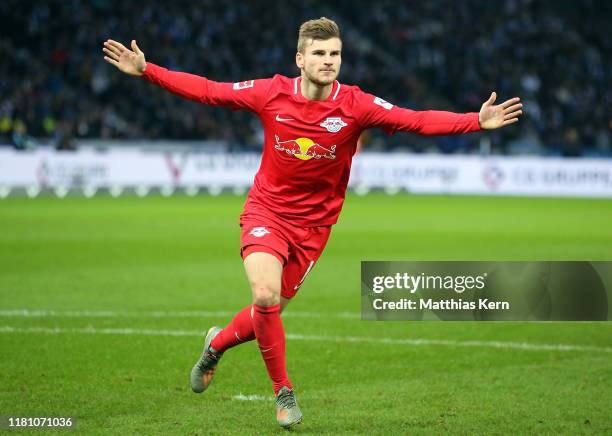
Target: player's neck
<point>312,91</point>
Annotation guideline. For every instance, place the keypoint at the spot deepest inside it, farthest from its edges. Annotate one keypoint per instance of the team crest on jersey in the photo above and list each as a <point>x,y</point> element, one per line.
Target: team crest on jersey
<point>380,102</point>
<point>258,232</point>
<point>333,124</point>
<point>305,148</point>
<point>243,85</point>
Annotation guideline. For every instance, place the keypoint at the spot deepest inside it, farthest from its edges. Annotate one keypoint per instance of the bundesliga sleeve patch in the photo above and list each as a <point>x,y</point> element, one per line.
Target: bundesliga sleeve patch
<point>243,85</point>
<point>380,102</point>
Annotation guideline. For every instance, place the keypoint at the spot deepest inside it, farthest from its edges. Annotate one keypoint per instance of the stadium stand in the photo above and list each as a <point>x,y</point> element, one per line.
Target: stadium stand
<point>438,54</point>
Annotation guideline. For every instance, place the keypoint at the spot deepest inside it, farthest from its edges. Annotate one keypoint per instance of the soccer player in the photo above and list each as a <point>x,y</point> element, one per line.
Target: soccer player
<point>311,127</point>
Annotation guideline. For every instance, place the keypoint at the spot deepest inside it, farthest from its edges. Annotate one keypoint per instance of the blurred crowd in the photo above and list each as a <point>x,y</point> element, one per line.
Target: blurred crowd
<point>442,54</point>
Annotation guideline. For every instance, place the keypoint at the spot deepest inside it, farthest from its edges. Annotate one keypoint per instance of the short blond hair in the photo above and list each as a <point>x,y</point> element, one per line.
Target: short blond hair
<point>322,28</point>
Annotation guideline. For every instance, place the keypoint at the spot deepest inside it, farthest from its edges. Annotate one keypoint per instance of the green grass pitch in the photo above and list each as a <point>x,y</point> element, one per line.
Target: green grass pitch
<point>118,282</point>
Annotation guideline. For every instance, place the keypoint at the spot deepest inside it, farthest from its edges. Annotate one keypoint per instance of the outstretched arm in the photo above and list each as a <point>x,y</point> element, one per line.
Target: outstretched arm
<point>250,94</point>
<point>375,112</point>
<point>131,62</point>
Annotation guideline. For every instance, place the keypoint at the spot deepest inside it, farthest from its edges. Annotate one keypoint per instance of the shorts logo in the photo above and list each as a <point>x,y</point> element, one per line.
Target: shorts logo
<point>380,102</point>
<point>304,148</point>
<point>243,85</point>
<point>333,124</point>
<point>258,232</point>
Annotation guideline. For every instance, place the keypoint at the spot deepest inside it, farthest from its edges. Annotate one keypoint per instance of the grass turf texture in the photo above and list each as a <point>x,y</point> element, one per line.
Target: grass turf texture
<point>181,254</point>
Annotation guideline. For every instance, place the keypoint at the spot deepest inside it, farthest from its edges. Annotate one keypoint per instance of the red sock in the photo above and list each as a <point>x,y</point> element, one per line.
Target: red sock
<point>239,330</point>
<point>271,340</point>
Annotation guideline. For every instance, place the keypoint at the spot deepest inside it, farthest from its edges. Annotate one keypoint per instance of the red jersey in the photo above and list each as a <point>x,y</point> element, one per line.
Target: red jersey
<point>309,144</point>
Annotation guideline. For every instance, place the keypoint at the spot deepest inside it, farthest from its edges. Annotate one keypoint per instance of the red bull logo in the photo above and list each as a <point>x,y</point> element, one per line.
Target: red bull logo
<point>305,148</point>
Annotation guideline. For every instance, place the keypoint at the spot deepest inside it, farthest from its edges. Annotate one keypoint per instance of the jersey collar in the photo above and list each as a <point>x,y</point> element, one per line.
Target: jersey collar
<point>331,97</point>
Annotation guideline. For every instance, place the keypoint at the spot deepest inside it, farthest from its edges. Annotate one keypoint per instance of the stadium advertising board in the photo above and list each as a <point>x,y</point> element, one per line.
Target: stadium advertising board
<point>431,174</point>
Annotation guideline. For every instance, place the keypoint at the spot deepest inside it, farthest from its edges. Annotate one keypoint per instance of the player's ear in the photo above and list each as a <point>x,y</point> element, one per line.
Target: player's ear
<point>299,60</point>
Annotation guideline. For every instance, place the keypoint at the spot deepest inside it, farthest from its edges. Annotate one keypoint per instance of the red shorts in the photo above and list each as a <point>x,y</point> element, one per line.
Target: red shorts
<point>297,248</point>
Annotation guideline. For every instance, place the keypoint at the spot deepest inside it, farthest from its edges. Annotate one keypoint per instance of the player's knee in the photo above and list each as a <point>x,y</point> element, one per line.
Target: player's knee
<point>264,295</point>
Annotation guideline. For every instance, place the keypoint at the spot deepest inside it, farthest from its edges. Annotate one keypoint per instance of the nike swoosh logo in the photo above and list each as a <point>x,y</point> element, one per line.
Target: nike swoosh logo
<point>278,118</point>
<point>266,350</point>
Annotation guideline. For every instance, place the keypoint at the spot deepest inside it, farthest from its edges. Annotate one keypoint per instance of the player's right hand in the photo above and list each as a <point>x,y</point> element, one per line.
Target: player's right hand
<point>131,62</point>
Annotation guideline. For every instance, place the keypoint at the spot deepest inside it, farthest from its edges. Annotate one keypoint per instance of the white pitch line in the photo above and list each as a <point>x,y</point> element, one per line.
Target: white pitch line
<point>103,331</point>
<point>298,337</point>
<point>43,313</point>
<point>449,343</point>
<point>242,397</point>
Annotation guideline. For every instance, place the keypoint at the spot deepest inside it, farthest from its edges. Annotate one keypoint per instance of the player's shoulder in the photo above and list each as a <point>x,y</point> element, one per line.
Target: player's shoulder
<point>351,94</point>
<point>282,84</point>
<point>274,86</point>
<point>356,92</point>
<point>364,101</point>
<point>348,89</point>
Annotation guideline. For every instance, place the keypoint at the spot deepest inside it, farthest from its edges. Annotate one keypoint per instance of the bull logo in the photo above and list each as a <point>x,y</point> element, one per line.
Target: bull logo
<point>333,124</point>
<point>258,232</point>
<point>304,148</point>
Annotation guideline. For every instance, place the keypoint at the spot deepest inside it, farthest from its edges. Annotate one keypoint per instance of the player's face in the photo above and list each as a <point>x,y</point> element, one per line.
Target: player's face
<point>321,60</point>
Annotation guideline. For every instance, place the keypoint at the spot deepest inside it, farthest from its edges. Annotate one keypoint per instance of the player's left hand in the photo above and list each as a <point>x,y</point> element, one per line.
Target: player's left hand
<point>494,117</point>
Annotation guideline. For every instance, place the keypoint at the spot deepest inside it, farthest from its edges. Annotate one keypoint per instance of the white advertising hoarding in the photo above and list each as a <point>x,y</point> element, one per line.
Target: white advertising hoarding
<point>443,174</point>
<point>432,174</point>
